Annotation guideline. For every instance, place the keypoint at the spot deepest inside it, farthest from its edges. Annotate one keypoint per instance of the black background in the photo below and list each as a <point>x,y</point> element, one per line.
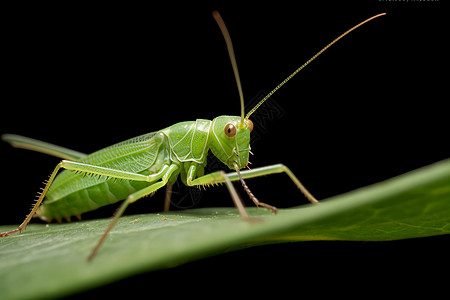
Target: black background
<point>370,108</point>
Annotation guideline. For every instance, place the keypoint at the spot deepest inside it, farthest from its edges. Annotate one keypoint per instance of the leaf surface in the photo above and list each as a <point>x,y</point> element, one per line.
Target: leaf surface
<point>51,259</point>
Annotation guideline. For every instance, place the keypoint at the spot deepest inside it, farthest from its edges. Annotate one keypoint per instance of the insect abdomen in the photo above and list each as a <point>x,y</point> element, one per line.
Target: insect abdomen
<point>89,199</point>
<point>72,194</point>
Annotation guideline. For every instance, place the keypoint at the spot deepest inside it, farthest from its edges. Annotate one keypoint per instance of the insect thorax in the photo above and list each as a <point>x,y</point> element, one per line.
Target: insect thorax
<point>189,141</point>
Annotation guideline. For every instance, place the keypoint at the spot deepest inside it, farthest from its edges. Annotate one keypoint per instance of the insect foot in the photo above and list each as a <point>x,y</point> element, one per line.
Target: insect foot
<point>272,208</point>
<point>250,194</point>
<point>8,233</point>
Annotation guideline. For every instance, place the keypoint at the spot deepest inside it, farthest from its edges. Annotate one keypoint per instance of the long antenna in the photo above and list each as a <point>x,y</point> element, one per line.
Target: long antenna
<point>306,63</point>
<point>227,37</point>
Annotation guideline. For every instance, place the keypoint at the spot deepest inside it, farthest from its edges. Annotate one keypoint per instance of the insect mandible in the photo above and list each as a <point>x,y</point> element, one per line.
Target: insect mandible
<point>138,167</point>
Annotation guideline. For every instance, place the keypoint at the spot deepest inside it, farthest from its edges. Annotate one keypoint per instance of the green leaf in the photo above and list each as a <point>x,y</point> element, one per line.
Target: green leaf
<point>51,259</point>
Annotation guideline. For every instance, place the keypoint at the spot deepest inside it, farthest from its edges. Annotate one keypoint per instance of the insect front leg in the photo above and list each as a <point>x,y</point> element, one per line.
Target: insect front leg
<point>215,177</point>
<point>274,169</point>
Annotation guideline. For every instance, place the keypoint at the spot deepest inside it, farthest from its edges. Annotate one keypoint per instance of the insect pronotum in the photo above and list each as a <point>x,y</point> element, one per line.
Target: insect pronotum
<point>138,167</point>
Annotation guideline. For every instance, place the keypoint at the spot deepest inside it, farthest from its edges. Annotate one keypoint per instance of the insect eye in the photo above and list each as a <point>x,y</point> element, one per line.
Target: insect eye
<point>230,130</point>
<point>250,125</point>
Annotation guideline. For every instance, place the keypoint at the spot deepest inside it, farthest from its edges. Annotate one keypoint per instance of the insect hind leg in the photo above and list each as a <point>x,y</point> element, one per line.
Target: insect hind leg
<point>88,169</point>
<point>36,205</point>
<point>132,198</point>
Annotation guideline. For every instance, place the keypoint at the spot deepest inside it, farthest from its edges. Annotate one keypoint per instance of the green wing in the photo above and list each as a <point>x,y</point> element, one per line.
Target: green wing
<point>133,155</point>
<point>23,142</point>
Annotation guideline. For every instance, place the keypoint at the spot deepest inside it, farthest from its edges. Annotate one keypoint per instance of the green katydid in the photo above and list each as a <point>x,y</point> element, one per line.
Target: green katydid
<point>142,165</point>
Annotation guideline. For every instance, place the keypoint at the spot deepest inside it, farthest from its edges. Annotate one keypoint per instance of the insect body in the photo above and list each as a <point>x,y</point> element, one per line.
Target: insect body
<point>180,149</point>
<point>138,167</point>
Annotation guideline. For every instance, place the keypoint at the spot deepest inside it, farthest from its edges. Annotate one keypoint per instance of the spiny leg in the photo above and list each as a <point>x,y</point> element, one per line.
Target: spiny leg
<point>90,169</point>
<point>216,177</point>
<point>279,168</point>
<point>223,179</point>
<point>132,198</point>
<point>36,205</point>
